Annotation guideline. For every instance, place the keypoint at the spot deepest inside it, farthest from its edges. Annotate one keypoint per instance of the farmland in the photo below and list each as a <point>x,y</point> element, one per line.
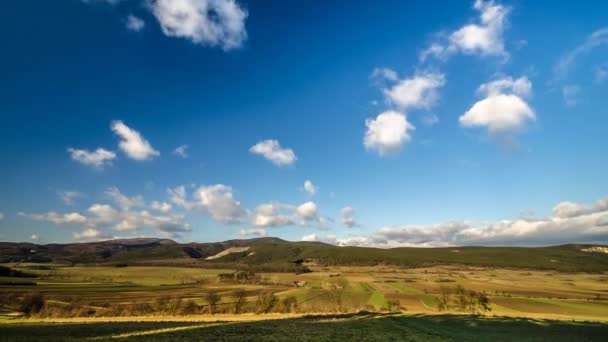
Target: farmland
<point>196,298</point>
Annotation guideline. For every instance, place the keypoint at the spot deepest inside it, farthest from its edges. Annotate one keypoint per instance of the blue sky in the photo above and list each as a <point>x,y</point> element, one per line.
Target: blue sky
<point>416,124</point>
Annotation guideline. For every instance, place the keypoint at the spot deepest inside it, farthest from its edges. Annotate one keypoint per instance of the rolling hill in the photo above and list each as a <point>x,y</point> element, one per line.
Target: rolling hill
<point>281,254</point>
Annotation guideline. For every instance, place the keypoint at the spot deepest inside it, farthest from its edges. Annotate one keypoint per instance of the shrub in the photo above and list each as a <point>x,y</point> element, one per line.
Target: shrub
<point>393,305</point>
<point>32,303</point>
<point>288,304</point>
<point>189,308</point>
<point>266,301</point>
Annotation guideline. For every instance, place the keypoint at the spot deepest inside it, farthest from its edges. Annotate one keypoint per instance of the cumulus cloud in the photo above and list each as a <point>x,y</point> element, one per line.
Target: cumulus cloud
<point>347,214</point>
<point>418,92</point>
<point>123,201</point>
<point>571,209</point>
<point>98,158</point>
<point>277,214</point>
<point>308,211</point>
<point>219,202</point>
<point>520,86</point>
<point>179,197</point>
<point>68,218</point>
<point>310,237</point>
<point>163,207</point>
<point>181,151</point>
<point>215,200</point>
<point>88,234</point>
<point>130,213</point>
<point>34,237</point>
<point>272,150</point>
<point>387,132</point>
<point>310,187</point>
<point>134,23</point>
<point>68,197</point>
<point>503,110</point>
<point>484,38</point>
<point>205,22</point>
<point>253,232</point>
<point>567,62</point>
<point>132,143</point>
<point>272,215</point>
<point>381,74</point>
<point>571,223</point>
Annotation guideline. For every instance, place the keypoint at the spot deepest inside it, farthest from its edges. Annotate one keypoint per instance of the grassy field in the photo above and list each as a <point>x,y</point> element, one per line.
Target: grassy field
<point>355,327</point>
<point>83,302</point>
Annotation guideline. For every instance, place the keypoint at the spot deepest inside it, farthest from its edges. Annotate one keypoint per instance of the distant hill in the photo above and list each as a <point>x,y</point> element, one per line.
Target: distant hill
<point>270,252</point>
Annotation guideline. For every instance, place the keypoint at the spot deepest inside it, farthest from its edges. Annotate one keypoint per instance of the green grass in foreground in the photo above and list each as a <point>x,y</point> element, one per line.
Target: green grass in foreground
<point>360,327</point>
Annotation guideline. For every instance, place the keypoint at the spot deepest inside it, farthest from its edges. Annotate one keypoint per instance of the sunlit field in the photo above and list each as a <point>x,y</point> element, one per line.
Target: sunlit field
<point>178,301</point>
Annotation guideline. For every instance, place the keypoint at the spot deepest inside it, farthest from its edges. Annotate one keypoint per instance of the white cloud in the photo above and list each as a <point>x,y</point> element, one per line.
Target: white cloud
<point>68,197</point>
<point>429,119</point>
<point>387,132</point>
<point>163,207</point>
<point>311,237</point>
<point>181,151</point>
<point>218,200</point>
<point>308,211</point>
<point>87,234</point>
<point>502,111</point>
<point>34,237</point>
<point>98,158</point>
<point>310,187</point>
<point>206,22</point>
<point>179,197</point>
<point>571,223</point>
<point>132,143</point>
<point>571,209</point>
<point>272,215</point>
<point>69,218</point>
<point>347,214</point>
<point>134,23</point>
<point>272,150</point>
<point>131,214</point>
<point>123,201</point>
<point>566,62</point>
<point>418,92</point>
<point>253,231</point>
<point>436,50</point>
<point>276,214</point>
<point>1,216</point>
<point>521,87</point>
<point>570,93</point>
<point>484,38</point>
<point>384,74</point>
<point>103,214</point>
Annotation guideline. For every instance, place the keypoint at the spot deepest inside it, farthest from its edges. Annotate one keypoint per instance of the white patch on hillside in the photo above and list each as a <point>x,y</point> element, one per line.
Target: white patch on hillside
<point>228,251</point>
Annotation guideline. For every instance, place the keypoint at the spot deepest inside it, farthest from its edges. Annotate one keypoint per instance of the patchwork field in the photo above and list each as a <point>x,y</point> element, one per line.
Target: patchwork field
<point>79,302</point>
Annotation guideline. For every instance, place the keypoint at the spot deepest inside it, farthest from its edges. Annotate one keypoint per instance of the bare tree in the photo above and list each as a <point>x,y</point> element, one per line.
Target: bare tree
<point>240,298</point>
<point>212,299</point>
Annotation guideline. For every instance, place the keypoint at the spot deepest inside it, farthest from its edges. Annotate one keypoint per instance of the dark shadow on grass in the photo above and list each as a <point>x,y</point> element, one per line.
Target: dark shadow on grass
<point>364,326</point>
